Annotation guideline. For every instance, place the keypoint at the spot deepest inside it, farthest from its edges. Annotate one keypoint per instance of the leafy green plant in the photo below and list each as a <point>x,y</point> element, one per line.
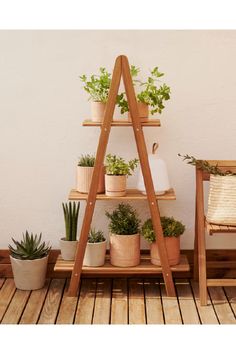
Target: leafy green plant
<point>29,248</point>
<point>96,236</point>
<point>97,86</point>
<point>152,93</point>
<point>71,213</point>
<point>117,166</point>
<point>123,220</point>
<point>86,161</point>
<point>170,227</point>
<point>205,166</point>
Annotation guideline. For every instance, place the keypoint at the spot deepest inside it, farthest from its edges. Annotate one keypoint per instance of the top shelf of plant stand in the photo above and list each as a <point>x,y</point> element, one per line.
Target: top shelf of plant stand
<point>123,123</point>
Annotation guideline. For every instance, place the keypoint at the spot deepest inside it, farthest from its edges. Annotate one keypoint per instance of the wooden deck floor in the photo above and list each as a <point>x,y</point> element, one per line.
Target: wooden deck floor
<point>115,301</point>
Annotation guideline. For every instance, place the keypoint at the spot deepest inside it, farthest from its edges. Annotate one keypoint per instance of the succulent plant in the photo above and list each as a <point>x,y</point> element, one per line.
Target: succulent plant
<point>123,220</point>
<point>71,213</point>
<point>96,236</point>
<point>29,248</point>
<point>86,161</point>
<point>170,227</point>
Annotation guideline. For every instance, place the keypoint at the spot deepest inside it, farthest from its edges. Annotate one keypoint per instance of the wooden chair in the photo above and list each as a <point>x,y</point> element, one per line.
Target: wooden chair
<point>201,225</point>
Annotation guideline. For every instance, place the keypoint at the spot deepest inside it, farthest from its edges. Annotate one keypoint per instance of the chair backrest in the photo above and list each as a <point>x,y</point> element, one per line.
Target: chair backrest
<point>223,165</point>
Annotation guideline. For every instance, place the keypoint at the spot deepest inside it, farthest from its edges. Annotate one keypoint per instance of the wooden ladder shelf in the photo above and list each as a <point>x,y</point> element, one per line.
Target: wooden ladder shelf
<point>121,69</point>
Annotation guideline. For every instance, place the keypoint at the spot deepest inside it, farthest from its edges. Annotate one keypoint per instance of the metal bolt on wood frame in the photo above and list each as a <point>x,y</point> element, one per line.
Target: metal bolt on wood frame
<point>121,68</point>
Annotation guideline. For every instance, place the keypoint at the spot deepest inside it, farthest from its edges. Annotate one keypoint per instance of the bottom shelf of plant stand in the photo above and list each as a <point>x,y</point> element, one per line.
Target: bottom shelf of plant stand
<point>145,267</point>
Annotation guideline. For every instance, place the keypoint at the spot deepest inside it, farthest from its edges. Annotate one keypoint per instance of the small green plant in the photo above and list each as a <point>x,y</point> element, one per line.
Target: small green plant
<point>117,166</point>
<point>205,166</point>
<point>96,236</point>
<point>98,85</point>
<point>152,92</point>
<point>123,220</point>
<point>71,213</point>
<point>86,161</point>
<point>170,227</point>
<point>29,248</point>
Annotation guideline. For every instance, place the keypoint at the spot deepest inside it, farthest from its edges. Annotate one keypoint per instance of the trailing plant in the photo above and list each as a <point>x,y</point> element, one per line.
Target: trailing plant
<point>30,247</point>
<point>97,86</point>
<point>96,236</point>
<point>152,92</point>
<point>123,220</point>
<point>170,227</point>
<point>86,161</point>
<point>205,166</point>
<point>117,166</point>
<point>71,213</point>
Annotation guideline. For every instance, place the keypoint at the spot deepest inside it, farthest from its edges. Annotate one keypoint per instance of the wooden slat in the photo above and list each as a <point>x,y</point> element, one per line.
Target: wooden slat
<point>231,297</point>
<point>154,311</point>
<point>136,302</point>
<point>1,282</point>
<point>123,123</point>
<point>84,312</point>
<point>186,302</point>
<point>102,306</point>
<point>52,302</point>
<point>171,309</point>
<point>221,282</point>
<point>67,308</point>
<point>6,293</point>
<point>219,229</point>
<point>119,306</point>
<point>16,307</point>
<point>222,308</point>
<point>34,305</point>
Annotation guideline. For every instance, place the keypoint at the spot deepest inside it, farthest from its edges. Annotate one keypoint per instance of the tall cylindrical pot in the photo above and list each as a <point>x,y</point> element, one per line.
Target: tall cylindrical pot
<point>115,185</point>
<point>68,249</point>
<point>173,251</point>
<point>143,111</point>
<point>95,254</point>
<point>97,111</point>
<point>84,178</point>
<point>125,250</point>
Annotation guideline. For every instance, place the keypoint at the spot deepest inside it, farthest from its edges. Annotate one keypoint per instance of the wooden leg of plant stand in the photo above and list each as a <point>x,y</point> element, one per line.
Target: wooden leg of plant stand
<point>143,156</point>
<point>103,140</point>
<point>195,255</point>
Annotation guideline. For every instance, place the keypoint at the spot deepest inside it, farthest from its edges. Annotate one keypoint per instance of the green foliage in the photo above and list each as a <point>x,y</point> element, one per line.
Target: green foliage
<point>152,92</point>
<point>96,236</point>
<point>98,85</point>
<point>86,161</point>
<point>205,166</point>
<point>117,166</point>
<point>29,248</point>
<point>71,213</point>
<point>123,220</point>
<point>170,227</point>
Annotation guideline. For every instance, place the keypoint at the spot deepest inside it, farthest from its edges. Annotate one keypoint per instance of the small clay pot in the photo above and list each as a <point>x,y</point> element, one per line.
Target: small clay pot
<point>97,111</point>
<point>84,179</point>
<point>124,250</point>
<point>115,185</point>
<point>173,251</point>
<point>68,249</point>
<point>95,254</point>
<point>143,112</point>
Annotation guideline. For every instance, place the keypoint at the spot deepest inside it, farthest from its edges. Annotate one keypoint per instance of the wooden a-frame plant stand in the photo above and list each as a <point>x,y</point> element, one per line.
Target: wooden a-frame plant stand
<point>121,69</point>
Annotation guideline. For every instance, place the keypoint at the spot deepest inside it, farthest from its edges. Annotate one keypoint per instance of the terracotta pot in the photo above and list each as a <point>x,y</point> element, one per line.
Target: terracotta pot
<point>125,250</point>
<point>68,249</point>
<point>29,274</point>
<point>115,185</point>
<point>95,254</point>
<point>173,251</point>
<point>143,111</point>
<point>97,111</point>
<point>84,178</point>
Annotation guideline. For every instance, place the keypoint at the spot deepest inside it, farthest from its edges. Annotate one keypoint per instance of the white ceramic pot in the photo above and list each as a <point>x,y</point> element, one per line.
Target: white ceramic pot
<point>68,249</point>
<point>84,179</point>
<point>143,111</point>
<point>95,254</point>
<point>173,251</point>
<point>115,185</point>
<point>125,250</point>
<point>97,111</point>
<point>29,274</point>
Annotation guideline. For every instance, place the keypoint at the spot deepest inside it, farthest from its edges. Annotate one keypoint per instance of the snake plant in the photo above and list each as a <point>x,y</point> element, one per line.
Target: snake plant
<point>71,213</point>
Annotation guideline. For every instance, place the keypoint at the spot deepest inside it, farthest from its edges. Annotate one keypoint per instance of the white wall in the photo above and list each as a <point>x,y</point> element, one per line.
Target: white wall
<point>42,106</point>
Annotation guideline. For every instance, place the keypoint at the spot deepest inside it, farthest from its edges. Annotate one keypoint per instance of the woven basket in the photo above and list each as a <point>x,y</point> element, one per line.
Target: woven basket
<point>222,200</point>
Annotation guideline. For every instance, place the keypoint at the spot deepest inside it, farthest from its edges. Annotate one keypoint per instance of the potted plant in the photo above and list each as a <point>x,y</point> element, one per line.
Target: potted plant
<point>152,94</point>
<point>29,259</point>
<point>68,244</point>
<point>85,170</point>
<point>117,171</point>
<point>96,249</point>
<point>172,229</point>
<point>97,86</point>
<point>124,236</point>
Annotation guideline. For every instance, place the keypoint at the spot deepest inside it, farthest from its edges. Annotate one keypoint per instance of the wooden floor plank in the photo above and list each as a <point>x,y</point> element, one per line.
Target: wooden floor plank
<point>6,294</point>
<point>136,302</point>
<point>34,305</point>
<point>102,306</point>
<point>222,308</point>
<point>186,302</point>
<point>68,307</point>
<point>85,308</point>
<point>16,307</point>
<point>119,306</point>
<point>170,308</point>
<point>231,296</point>
<point>206,313</point>
<point>153,303</point>
<point>1,282</point>
<point>52,302</point>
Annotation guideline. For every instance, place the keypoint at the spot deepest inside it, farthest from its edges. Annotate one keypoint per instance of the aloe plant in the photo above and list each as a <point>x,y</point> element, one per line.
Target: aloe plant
<point>96,236</point>
<point>71,213</point>
<point>29,248</point>
<point>86,161</point>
